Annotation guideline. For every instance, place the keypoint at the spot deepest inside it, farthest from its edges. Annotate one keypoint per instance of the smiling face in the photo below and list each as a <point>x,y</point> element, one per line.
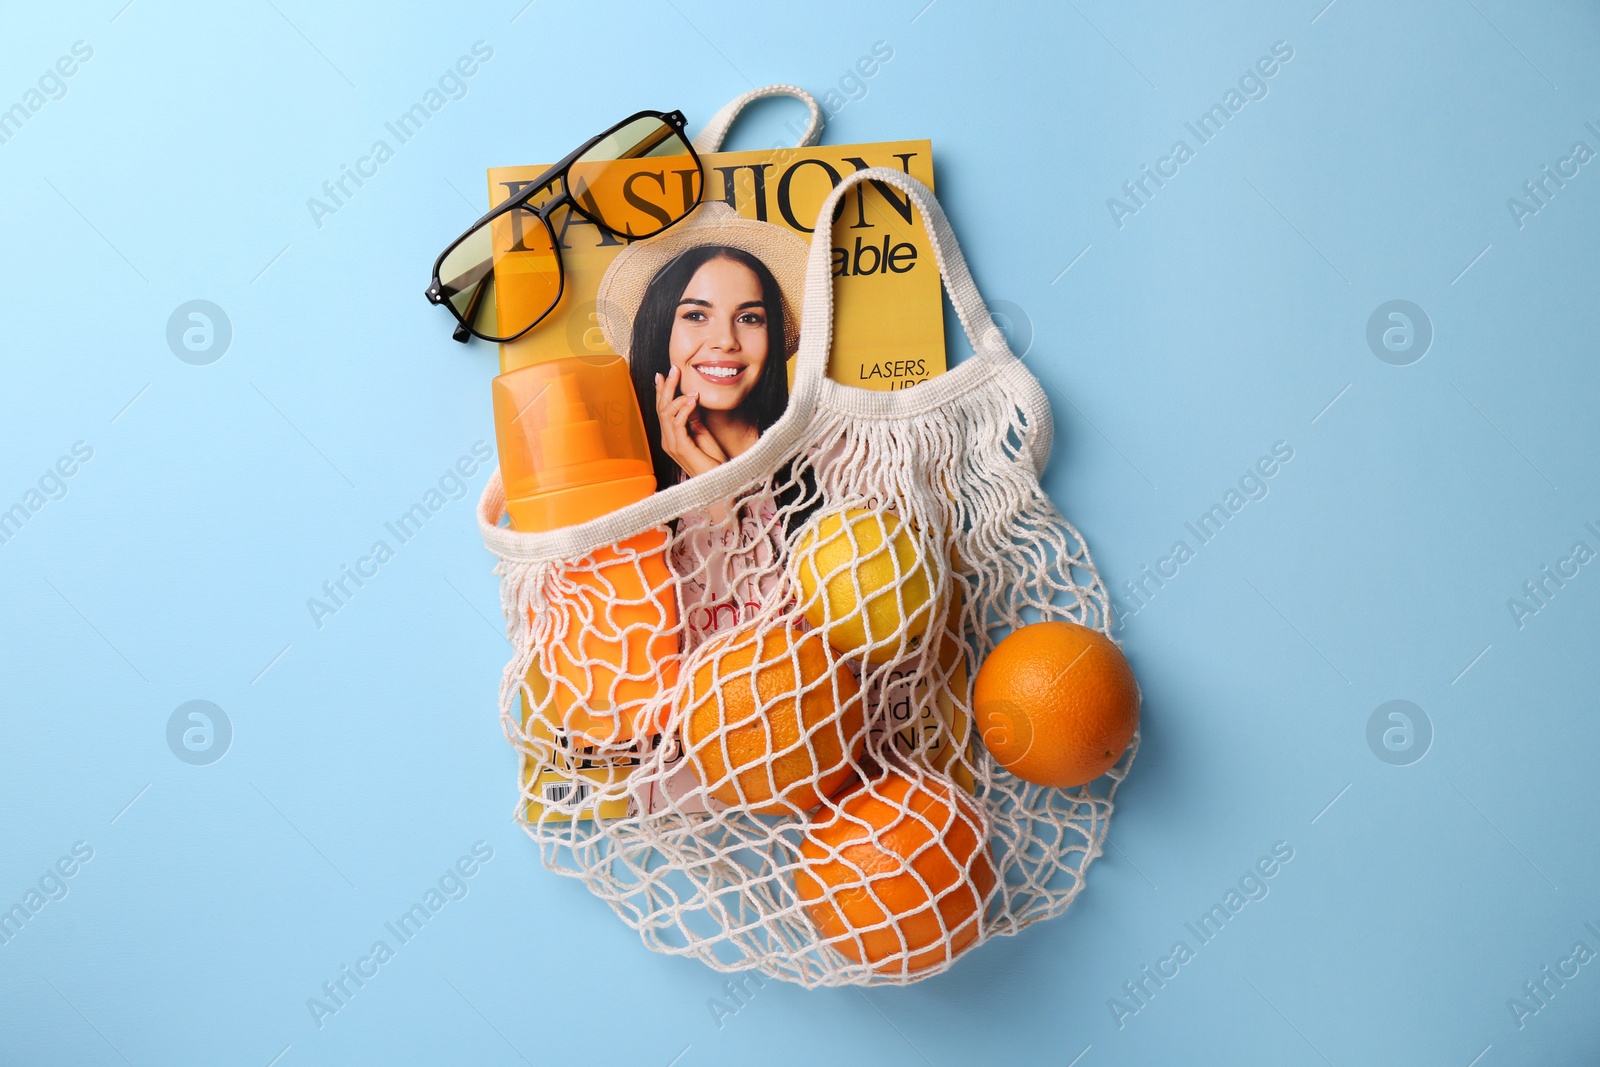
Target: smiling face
<point>719,334</point>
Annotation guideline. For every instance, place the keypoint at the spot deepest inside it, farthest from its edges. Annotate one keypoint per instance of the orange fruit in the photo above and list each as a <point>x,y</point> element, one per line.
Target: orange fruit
<point>864,867</point>
<point>1056,703</point>
<point>777,731</point>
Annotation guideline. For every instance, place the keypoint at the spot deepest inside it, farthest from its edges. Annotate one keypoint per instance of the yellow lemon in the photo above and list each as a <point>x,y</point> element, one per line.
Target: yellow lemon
<point>864,583</point>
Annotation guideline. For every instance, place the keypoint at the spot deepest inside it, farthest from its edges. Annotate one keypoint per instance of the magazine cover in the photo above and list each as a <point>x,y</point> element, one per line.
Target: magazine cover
<point>706,317</point>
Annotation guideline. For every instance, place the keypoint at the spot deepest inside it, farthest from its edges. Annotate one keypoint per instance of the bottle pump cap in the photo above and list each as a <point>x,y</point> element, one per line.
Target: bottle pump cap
<point>571,440</point>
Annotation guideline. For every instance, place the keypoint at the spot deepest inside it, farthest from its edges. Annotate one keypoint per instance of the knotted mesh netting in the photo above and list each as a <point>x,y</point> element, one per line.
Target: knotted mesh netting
<point>737,723</point>
<point>749,728</point>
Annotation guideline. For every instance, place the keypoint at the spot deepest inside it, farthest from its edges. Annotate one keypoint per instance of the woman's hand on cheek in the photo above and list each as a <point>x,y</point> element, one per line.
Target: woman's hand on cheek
<point>702,437</point>
<point>683,436</point>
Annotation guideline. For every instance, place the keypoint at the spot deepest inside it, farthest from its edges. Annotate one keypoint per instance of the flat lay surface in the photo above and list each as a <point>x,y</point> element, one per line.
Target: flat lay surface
<point>1309,286</point>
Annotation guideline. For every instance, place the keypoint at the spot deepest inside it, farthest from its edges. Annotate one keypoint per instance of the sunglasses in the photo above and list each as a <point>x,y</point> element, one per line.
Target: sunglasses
<point>504,275</point>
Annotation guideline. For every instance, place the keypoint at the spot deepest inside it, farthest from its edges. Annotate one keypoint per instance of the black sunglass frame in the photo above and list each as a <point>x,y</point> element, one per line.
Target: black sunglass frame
<point>435,290</point>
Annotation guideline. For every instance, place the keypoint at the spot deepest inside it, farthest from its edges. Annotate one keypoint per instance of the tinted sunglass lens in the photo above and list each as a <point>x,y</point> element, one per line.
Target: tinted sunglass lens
<point>503,276</point>
<point>639,179</point>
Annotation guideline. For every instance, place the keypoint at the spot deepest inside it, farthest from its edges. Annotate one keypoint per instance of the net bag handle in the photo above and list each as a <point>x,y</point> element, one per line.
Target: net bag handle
<point>987,339</point>
<point>711,137</point>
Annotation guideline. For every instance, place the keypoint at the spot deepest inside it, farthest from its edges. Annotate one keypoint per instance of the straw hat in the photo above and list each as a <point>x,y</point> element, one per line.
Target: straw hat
<point>712,223</point>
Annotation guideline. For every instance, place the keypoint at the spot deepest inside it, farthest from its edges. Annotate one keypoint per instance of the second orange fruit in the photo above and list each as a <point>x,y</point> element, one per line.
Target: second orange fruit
<point>1056,703</point>
<point>897,877</point>
<point>775,720</point>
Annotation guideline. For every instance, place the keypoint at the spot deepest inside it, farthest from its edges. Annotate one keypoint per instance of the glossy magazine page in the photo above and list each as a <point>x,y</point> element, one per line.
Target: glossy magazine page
<point>888,335</point>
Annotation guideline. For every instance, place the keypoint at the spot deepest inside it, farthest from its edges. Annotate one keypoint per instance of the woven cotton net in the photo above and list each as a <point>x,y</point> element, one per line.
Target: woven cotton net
<point>750,729</point>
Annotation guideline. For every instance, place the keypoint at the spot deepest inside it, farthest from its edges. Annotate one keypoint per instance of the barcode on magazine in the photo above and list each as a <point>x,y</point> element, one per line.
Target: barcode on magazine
<point>565,792</point>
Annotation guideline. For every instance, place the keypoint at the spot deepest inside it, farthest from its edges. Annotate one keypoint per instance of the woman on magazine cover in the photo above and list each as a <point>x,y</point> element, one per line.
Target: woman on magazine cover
<point>709,333</point>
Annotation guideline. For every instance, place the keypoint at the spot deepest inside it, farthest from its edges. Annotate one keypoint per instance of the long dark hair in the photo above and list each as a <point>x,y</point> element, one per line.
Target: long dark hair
<point>649,350</point>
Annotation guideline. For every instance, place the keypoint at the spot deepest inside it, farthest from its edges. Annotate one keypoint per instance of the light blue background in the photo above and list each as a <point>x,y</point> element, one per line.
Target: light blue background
<point>1226,315</point>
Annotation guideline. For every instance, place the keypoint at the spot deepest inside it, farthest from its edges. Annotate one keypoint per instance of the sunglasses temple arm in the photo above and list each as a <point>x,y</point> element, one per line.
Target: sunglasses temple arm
<point>461,333</point>
<point>645,147</point>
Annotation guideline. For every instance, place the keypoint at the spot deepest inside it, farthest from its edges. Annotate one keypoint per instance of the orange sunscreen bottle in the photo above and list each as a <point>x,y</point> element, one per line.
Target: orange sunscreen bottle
<point>572,448</point>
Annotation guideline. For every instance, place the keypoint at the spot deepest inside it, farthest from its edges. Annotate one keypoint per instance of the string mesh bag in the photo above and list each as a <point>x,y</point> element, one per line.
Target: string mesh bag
<point>789,776</point>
